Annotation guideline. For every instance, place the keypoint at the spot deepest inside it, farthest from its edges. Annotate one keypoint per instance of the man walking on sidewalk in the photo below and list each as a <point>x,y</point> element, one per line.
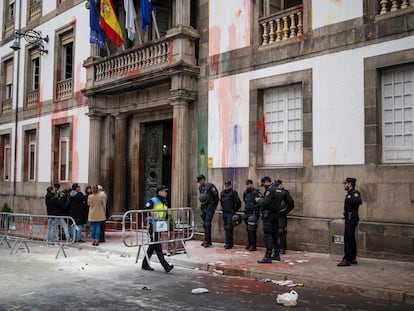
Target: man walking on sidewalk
<point>352,202</point>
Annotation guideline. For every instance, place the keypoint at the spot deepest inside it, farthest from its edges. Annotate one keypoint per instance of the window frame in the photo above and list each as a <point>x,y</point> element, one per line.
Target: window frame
<point>5,144</point>
<point>57,124</point>
<point>272,155</point>
<point>393,153</point>
<point>64,84</point>
<point>30,165</point>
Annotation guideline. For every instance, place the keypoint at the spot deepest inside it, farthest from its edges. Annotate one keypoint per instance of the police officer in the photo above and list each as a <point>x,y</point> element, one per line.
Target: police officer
<point>287,205</point>
<point>159,203</point>
<point>251,213</point>
<point>208,199</point>
<point>351,205</point>
<point>230,203</point>
<point>270,206</point>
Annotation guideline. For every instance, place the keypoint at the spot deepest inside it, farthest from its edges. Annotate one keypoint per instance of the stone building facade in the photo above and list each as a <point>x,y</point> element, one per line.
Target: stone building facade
<point>305,91</point>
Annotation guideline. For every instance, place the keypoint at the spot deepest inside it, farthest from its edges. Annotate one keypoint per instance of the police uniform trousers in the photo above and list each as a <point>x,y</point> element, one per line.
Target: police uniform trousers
<point>270,232</point>
<point>350,247</point>
<point>157,248</point>
<point>207,214</point>
<point>228,228</point>
<point>282,223</point>
<point>251,229</point>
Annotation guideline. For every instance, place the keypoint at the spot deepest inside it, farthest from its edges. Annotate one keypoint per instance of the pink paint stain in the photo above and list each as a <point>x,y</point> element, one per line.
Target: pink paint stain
<point>215,40</point>
<point>75,155</point>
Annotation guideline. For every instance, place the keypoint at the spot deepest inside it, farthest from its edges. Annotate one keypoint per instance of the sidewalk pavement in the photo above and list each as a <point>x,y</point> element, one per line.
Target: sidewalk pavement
<point>384,279</point>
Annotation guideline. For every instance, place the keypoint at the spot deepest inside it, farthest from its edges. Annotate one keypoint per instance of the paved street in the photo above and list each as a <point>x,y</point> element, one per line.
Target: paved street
<point>93,280</point>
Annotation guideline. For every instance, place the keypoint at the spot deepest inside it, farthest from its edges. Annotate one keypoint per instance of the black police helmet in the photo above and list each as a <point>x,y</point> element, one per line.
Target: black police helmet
<point>203,198</point>
<point>252,220</point>
<point>236,219</point>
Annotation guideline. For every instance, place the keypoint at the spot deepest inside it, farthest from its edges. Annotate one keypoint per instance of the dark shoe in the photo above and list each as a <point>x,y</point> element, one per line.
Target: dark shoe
<point>247,247</point>
<point>169,268</point>
<point>227,246</point>
<point>265,260</point>
<point>283,252</point>
<point>344,263</point>
<point>206,244</point>
<point>147,267</point>
<point>252,248</point>
<point>80,241</point>
<point>354,262</point>
<point>101,241</point>
<point>275,257</point>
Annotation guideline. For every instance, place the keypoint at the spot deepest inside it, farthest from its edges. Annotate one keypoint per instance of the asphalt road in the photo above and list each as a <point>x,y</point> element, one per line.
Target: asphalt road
<point>89,280</point>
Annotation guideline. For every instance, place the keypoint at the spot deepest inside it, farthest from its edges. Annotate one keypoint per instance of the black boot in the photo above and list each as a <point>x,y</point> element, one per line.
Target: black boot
<point>146,266</point>
<point>252,235</point>
<point>229,239</point>
<point>265,259</point>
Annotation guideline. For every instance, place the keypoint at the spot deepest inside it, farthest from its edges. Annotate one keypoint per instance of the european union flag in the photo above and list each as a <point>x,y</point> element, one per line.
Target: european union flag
<point>97,35</point>
<point>146,10</point>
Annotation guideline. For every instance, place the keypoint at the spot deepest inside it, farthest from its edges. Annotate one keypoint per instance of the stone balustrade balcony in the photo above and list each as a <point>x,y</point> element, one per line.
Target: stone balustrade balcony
<point>148,63</point>
<point>32,98</point>
<point>387,6</point>
<point>282,26</point>
<point>64,89</point>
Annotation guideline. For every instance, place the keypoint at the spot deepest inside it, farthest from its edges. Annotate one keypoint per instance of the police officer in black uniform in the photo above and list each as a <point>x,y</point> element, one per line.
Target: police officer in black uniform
<point>209,199</point>
<point>230,203</point>
<point>251,213</point>
<point>351,205</point>
<point>286,206</point>
<point>270,206</point>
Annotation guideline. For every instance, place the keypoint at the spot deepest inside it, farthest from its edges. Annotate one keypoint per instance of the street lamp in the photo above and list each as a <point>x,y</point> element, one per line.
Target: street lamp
<point>31,36</point>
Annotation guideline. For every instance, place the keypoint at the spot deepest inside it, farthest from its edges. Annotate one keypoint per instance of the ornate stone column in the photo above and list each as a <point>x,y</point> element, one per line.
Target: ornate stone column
<point>94,147</point>
<point>182,94</point>
<point>119,193</point>
<point>182,12</point>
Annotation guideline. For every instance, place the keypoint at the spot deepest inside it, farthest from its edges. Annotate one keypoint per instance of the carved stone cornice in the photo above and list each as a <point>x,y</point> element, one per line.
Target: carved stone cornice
<point>182,95</point>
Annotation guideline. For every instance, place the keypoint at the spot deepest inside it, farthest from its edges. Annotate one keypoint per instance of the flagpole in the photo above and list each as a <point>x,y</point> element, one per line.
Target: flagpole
<point>155,24</point>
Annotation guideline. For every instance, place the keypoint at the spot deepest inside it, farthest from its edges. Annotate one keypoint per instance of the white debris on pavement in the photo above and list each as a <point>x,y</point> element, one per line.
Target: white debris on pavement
<point>289,299</point>
<point>218,271</point>
<point>199,290</point>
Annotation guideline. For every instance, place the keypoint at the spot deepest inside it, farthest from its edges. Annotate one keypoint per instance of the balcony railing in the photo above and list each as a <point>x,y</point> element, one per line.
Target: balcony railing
<point>64,89</point>
<point>282,26</point>
<point>6,105</point>
<point>32,98</point>
<point>133,60</point>
<point>394,5</point>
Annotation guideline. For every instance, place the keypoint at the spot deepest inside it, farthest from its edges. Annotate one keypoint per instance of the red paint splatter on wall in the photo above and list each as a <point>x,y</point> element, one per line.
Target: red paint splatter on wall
<point>214,40</point>
<point>261,127</point>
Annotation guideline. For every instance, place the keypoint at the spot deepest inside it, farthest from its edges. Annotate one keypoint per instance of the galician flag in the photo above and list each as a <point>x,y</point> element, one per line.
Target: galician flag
<point>130,16</point>
<point>110,24</point>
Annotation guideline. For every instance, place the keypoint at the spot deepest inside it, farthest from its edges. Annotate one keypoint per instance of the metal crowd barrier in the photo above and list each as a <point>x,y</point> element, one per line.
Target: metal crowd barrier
<point>178,228</point>
<point>19,229</point>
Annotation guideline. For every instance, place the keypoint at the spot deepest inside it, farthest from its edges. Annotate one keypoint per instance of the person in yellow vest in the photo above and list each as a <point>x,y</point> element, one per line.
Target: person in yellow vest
<point>159,217</point>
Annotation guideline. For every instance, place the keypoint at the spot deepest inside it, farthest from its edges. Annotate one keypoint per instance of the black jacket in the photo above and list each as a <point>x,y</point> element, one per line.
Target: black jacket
<point>212,193</point>
<point>250,204</point>
<point>77,206</point>
<point>53,204</point>
<point>230,200</point>
<point>351,204</point>
<point>287,204</point>
<point>272,199</point>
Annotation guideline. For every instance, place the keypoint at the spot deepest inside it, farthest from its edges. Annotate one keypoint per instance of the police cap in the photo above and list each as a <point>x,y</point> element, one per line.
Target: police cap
<point>161,188</point>
<point>266,178</point>
<point>350,180</point>
<point>278,182</point>
<point>227,183</point>
<point>249,182</point>
<point>200,177</point>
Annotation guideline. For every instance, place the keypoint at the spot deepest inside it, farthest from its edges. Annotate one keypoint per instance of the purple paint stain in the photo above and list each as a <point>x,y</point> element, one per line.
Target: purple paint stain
<point>237,135</point>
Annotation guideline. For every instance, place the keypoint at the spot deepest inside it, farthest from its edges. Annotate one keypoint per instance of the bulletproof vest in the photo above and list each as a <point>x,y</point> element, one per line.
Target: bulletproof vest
<point>227,200</point>
<point>249,199</point>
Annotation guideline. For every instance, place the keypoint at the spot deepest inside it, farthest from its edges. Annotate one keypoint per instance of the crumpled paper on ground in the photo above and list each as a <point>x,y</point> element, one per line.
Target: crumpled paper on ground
<point>289,299</point>
<point>199,290</point>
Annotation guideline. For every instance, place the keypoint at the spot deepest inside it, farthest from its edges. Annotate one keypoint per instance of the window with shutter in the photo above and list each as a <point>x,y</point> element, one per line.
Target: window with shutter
<point>283,126</point>
<point>397,115</point>
<point>163,20</point>
<point>9,79</point>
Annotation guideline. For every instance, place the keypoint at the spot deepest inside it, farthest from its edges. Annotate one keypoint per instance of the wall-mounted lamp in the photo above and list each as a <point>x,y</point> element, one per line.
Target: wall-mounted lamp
<point>31,36</point>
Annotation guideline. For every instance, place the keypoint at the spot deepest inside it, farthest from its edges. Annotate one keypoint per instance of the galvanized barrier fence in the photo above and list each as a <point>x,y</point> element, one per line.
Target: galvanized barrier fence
<point>18,229</point>
<point>141,228</point>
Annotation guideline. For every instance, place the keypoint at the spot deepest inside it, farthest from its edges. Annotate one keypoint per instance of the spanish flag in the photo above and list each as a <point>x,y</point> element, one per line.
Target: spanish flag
<point>110,24</point>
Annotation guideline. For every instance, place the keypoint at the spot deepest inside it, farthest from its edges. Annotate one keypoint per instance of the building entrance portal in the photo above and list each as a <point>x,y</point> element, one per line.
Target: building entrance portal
<point>157,156</point>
